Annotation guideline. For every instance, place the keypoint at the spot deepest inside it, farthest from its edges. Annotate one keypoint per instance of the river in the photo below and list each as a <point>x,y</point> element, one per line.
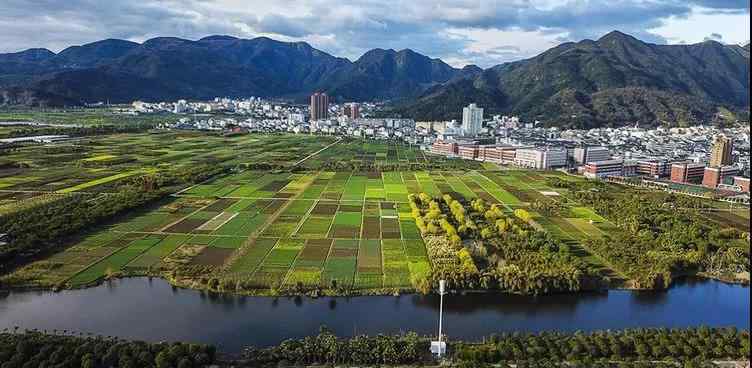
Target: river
<point>140,308</point>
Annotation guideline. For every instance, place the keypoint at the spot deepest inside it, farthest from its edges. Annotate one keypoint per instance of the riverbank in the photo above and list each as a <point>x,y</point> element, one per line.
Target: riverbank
<point>154,310</point>
<point>193,284</point>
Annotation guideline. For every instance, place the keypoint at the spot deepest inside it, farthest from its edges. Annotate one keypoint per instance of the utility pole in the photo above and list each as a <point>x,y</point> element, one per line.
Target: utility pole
<point>439,347</point>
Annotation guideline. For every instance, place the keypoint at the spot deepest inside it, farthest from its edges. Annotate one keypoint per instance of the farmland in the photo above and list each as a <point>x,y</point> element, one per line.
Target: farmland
<point>339,222</point>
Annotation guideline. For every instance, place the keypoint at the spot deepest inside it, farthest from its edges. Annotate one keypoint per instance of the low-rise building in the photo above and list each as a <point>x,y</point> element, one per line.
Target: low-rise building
<point>444,148</point>
<point>713,176</point>
<point>540,158</point>
<point>583,155</point>
<point>468,151</point>
<point>742,183</point>
<point>687,172</point>
<point>653,168</point>
<point>604,169</point>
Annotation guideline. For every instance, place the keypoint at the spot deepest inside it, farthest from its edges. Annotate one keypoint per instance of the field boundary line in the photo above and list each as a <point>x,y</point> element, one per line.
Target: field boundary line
<point>317,152</point>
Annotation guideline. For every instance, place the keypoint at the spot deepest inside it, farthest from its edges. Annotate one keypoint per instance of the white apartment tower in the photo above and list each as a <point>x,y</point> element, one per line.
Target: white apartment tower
<point>472,119</point>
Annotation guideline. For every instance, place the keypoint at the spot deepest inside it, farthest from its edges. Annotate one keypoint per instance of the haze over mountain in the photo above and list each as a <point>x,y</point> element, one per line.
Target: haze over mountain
<point>616,79</point>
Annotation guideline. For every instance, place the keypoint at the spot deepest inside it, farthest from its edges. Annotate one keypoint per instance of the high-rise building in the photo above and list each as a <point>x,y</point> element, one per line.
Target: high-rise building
<point>720,154</point>
<point>354,112</point>
<point>472,119</point>
<point>319,106</point>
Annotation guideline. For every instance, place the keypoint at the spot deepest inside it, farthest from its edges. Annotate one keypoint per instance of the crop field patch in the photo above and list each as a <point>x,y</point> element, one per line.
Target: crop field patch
<point>390,228</point>
<point>212,256</point>
<point>185,226</point>
<point>227,242</point>
<point>249,261</point>
<point>217,221</point>
<point>220,204</point>
<point>350,208</point>
<point>409,230</point>
<point>369,256</point>
<point>371,228</point>
<point>156,253</point>
<point>324,209</point>
<point>274,206</point>
<point>282,227</point>
<point>314,227</point>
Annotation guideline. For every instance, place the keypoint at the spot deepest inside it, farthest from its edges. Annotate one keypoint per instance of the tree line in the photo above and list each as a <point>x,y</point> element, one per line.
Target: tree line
<point>654,347</point>
<point>33,349</point>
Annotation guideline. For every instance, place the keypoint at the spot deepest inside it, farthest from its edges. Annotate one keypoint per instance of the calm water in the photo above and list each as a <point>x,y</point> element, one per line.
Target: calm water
<point>139,308</point>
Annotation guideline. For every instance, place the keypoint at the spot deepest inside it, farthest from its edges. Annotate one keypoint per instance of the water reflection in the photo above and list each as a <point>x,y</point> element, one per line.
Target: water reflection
<point>154,310</point>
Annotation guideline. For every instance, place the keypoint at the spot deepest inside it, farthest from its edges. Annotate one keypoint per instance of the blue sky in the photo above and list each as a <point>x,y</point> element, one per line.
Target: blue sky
<point>458,31</point>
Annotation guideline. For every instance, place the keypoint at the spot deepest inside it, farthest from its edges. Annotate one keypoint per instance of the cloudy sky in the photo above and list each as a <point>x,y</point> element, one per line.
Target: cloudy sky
<point>459,31</point>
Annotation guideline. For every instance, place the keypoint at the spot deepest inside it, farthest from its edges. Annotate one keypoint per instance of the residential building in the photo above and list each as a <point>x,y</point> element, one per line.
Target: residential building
<point>319,106</point>
<point>720,153</point>
<point>687,172</point>
<point>713,176</point>
<point>472,120</point>
<point>583,155</point>
<point>352,110</point>
<point>604,169</point>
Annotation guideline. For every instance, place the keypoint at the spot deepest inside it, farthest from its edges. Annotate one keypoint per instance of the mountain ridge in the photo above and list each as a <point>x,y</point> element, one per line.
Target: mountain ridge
<point>614,80</point>
<point>576,83</point>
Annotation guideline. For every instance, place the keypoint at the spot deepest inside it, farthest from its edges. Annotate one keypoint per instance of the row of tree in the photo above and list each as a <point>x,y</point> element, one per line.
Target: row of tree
<point>637,344</point>
<point>32,349</point>
<point>693,347</point>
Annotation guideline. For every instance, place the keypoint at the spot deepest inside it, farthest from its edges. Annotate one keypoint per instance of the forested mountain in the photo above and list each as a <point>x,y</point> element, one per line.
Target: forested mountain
<point>615,80</point>
<point>169,68</point>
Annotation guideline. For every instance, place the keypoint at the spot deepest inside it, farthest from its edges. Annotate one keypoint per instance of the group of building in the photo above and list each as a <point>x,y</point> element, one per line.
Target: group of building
<point>597,162</point>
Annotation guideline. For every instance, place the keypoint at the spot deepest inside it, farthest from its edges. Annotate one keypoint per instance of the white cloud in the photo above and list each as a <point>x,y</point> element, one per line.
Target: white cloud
<point>459,31</point>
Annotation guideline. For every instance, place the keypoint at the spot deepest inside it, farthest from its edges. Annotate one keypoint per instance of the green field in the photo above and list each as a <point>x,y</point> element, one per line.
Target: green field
<point>317,226</point>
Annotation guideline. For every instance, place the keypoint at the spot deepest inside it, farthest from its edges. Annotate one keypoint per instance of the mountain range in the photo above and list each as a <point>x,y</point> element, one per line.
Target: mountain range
<point>616,79</point>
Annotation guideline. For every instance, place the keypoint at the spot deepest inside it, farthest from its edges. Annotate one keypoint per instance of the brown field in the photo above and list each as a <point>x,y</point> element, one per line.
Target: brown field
<point>220,205</point>
<point>212,256</point>
<point>185,226</point>
<point>351,208</point>
<point>371,228</point>
<point>324,209</point>
<point>274,206</point>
